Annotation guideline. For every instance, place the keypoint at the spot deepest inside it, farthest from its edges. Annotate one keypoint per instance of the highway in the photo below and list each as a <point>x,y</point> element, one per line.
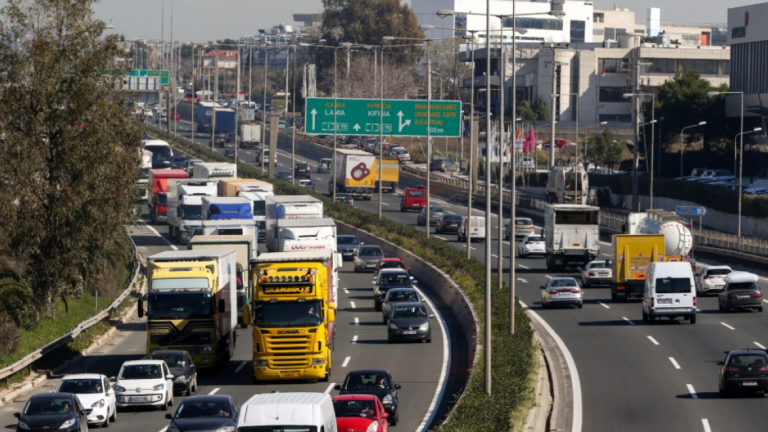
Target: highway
<point>361,343</point>
<point>634,377</point>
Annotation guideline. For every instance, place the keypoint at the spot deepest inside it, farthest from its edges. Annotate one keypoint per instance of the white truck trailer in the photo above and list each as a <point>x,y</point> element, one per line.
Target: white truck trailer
<point>214,170</point>
<point>185,206</point>
<point>288,207</point>
<point>571,235</point>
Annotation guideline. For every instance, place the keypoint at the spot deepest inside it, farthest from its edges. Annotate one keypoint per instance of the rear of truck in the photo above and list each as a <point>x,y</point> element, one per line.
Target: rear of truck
<point>390,174</point>
<point>354,173</point>
<point>631,254</point>
<point>572,235</point>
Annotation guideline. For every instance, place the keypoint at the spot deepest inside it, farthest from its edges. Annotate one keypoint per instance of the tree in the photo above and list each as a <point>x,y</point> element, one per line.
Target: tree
<point>541,109</point>
<point>398,80</point>
<point>69,146</point>
<point>525,112</point>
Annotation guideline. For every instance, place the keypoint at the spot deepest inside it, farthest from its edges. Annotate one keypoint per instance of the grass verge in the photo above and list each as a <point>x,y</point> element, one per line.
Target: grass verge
<point>514,356</point>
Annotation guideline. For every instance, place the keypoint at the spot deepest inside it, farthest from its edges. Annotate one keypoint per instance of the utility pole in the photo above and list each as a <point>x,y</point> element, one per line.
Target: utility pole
<point>636,119</point>
<point>487,340</point>
<point>553,111</point>
<point>264,108</point>
<point>237,98</point>
<point>502,89</point>
<point>194,96</point>
<point>215,96</point>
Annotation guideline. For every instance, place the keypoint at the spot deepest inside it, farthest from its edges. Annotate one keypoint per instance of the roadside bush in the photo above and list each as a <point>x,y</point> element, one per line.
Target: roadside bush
<point>9,337</point>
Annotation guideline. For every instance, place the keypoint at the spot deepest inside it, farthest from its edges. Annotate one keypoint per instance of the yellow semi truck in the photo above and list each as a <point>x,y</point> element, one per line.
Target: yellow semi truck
<point>191,304</point>
<point>631,256</point>
<point>390,174</point>
<point>293,313</point>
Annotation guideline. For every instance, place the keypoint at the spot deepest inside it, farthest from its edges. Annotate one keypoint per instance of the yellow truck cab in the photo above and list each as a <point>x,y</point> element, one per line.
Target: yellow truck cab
<point>191,304</point>
<point>293,314</point>
<point>631,255</point>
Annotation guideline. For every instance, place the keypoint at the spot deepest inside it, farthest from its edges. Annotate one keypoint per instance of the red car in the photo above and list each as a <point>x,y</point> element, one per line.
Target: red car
<point>175,116</point>
<point>413,199</point>
<point>390,263</point>
<point>559,143</point>
<point>360,412</point>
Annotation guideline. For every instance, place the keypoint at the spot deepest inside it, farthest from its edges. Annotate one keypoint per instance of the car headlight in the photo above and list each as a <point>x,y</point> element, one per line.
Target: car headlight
<point>98,404</point>
<point>24,426</point>
<point>68,424</point>
<point>424,326</point>
<point>159,386</point>
<point>373,427</point>
<point>261,363</point>
<point>393,326</point>
<point>207,349</point>
<point>119,388</point>
<point>387,400</point>
<point>181,378</point>
<point>226,429</point>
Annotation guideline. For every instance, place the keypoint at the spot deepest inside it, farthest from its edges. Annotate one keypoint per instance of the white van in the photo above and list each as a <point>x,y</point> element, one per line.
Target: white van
<point>300,412</point>
<point>475,227</point>
<point>670,292</point>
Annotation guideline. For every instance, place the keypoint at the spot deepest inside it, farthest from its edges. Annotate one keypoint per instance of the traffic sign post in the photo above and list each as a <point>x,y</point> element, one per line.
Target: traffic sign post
<point>401,117</point>
<point>690,211</point>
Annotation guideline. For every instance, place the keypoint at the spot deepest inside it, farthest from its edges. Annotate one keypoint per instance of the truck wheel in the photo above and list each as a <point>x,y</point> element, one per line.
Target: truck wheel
<point>693,319</point>
<point>645,316</point>
<point>403,209</point>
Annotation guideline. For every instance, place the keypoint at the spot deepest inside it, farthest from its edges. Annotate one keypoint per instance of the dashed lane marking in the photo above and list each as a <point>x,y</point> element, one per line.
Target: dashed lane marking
<point>628,320</point>
<point>354,339</point>
<point>727,326</point>
<point>353,305</point>
<point>758,345</point>
<point>214,391</point>
<point>604,305</point>
<point>704,422</point>
<point>330,387</point>
<point>357,321</point>
<point>653,340</point>
<point>346,362</point>
<point>692,391</point>
<point>674,363</point>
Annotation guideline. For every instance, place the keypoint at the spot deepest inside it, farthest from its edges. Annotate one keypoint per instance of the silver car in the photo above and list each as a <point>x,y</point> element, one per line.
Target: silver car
<point>596,273</point>
<point>523,227</point>
<point>531,245</point>
<point>409,321</point>
<point>367,258</point>
<point>561,291</point>
<point>435,213</point>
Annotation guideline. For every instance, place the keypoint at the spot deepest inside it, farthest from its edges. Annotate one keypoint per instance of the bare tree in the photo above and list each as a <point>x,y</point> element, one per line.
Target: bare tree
<point>398,80</point>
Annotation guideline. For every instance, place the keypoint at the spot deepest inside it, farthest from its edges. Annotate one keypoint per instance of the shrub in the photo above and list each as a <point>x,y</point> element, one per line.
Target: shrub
<point>9,337</point>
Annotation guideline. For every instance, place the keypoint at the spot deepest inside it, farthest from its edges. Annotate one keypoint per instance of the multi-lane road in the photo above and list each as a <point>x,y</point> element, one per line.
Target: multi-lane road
<point>634,377</point>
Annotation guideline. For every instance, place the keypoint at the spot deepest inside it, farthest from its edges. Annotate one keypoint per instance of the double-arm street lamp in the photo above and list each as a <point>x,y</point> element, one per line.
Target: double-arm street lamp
<point>682,143</point>
<point>635,196</point>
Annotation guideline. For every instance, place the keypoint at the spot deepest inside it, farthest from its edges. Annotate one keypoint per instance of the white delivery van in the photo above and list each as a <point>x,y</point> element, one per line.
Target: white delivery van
<point>300,412</point>
<point>475,226</point>
<point>670,291</point>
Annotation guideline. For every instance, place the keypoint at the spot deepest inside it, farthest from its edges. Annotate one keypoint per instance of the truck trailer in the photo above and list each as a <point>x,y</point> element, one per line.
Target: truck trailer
<point>157,189</point>
<point>571,235</point>
<point>354,173</point>
<point>250,135</point>
<point>227,208</point>
<point>289,207</point>
<point>631,254</point>
<point>390,174</point>
<point>185,206</point>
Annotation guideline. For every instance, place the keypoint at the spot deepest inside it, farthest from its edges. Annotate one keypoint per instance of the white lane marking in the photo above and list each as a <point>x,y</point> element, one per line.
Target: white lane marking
<point>441,384</point>
<point>605,254</point>
<point>504,241</point>
<point>765,300</point>
<point>522,266</point>
<point>354,339</point>
<point>604,305</point>
<point>653,340</point>
<point>441,238</point>
<point>548,276</point>
<point>151,228</point>
<point>759,346</point>
<point>346,291</point>
<point>449,212</point>
<point>494,255</point>
<point>330,387</point>
<point>570,364</point>
<point>674,363</point>
<point>383,203</point>
<point>242,365</point>
<point>522,280</point>
<point>357,320</point>
<point>705,423</point>
<point>214,391</point>
<point>727,326</point>
<point>353,305</point>
<point>692,391</point>
<point>628,320</point>
<point>346,362</point>
<point>318,178</point>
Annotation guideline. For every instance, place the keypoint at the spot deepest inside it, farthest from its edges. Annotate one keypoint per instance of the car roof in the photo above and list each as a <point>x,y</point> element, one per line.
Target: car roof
<point>402,289</point>
<point>716,267</point>
<point>391,260</point>
<point>82,376</point>
<point>143,362</point>
<point>562,278</point>
<point>598,261</point>
<point>207,398</point>
<point>746,351</point>
<point>740,277</point>
<point>371,246</point>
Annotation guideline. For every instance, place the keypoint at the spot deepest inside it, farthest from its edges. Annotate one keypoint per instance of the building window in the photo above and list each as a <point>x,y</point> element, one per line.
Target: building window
<point>534,23</point>
<point>608,65</point>
<point>577,31</point>
<point>704,67</point>
<point>618,118</point>
<point>727,67</point>
<point>598,17</point>
<point>662,65</point>
<point>612,94</point>
<point>460,23</point>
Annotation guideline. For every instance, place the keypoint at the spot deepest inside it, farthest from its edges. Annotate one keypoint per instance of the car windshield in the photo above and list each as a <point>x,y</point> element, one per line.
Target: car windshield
<point>198,409</point>
<point>673,285</point>
<point>748,286</point>
<point>178,305</point>
<point>409,312</point>
<point>392,264</point>
<point>371,381</point>
<point>416,194</point>
<point>534,239</point>
<point>48,406</point>
<point>172,360</point>
<point>718,272</point>
<point>347,240</point>
<point>370,251</point>
<point>452,218</point>
<point>402,296</point>
<point>597,265</point>
<point>755,359</point>
<point>80,386</point>
<point>434,210</point>
<point>563,283</point>
<point>354,408</point>
<point>394,278</point>
<point>140,372</point>
<point>288,314</point>
<point>523,222</point>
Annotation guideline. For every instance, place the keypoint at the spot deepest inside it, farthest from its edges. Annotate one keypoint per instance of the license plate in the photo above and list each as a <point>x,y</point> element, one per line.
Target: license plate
<point>453,224</point>
<point>665,301</point>
<point>603,273</point>
<point>290,374</point>
<point>749,383</point>
<point>409,332</point>
<point>745,296</point>
<point>139,399</point>
<point>575,244</point>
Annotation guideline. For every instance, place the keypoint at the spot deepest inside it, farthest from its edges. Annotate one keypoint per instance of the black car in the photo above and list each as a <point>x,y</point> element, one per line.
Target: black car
<point>345,198</point>
<point>229,153</point>
<point>284,175</point>
<point>448,224</point>
<point>204,413</point>
<point>178,162</point>
<point>53,411</point>
<point>740,292</point>
<point>347,244</point>
<point>376,382</point>
<point>301,170</point>
<point>744,371</point>
<point>181,366</point>
<point>385,281</point>
<point>409,321</point>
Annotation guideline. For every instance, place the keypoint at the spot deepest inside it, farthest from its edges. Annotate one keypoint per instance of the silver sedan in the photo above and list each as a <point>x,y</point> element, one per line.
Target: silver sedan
<point>561,291</point>
<point>596,273</point>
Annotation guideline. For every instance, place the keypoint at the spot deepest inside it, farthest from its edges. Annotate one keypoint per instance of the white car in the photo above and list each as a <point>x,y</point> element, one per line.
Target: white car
<point>711,279</point>
<point>144,383</point>
<point>596,273</point>
<point>531,245</point>
<point>561,291</point>
<point>95,393</point>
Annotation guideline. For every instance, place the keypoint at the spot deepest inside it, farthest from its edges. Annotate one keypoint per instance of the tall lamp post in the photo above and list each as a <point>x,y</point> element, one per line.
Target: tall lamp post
<point>741,148</point>
<point>682,143</point>
<point>575,183</point>
<point>652,123</point>
<point>635,180</point>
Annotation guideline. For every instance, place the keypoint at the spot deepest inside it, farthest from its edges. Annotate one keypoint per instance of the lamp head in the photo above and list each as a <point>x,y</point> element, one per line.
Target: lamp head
<point>757,129</point>
<point>426,26</point>
<point>603,123</point>
<point>442,13</point>
<point>702,123</point>
<point>713,93</point>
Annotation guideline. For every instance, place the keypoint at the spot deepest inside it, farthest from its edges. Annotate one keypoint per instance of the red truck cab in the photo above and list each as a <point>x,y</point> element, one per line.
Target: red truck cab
<point>413,199</point>
<point>158,202</point>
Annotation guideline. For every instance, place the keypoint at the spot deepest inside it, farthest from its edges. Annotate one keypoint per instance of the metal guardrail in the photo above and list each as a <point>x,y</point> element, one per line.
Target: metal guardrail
<point>80,328</point>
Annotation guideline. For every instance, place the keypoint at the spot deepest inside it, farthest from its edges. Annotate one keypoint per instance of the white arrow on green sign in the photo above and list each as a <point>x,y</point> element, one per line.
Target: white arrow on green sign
<point>401,117</point>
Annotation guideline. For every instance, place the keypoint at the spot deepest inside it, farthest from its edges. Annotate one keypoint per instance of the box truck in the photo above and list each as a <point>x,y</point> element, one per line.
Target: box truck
<point>214,170</point>
<point>185,206</point>
<point>157,189</point>
<point>227,208</point>
<point>354,173</point>
<point>289,207</point>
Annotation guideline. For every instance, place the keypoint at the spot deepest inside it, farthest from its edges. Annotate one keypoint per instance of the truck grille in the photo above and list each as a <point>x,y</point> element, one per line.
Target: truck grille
<point>170,339</point>
<point>289,351</point>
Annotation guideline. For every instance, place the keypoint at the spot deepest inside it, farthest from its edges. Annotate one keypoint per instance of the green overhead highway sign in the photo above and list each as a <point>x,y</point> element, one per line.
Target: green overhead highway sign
<point>402,117</point>
<point>165,76</point>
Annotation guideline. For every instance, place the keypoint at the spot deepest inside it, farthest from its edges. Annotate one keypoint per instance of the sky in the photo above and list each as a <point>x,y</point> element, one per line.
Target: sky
<point>204,20</point>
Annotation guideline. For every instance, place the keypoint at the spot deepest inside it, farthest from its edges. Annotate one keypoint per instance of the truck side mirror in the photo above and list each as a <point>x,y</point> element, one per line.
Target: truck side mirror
<point>624,228</point>
<point>141,308</point>
<point>331,315</point>
<point>222,306</point>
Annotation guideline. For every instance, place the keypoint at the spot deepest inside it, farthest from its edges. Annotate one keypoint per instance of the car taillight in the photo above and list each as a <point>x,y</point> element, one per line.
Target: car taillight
<point>591,274</point>
<point>531,227</point>
<point>763,369</point>
<point>527,242</point>
<point>707,277</point>
<point>653,302</point>
<point>734,296</point>
<point>445,223</point>
<point>575,291</point>
<point>694,301</point>
<point>757,295</point>
<point>732,369</point>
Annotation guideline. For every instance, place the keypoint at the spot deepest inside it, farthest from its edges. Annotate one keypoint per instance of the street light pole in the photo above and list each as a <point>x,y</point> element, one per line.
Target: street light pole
<point>741,150</point>
<point>264,107</point>
<point>682,143</point>
<point>381,126</point>
<point>487,338</point>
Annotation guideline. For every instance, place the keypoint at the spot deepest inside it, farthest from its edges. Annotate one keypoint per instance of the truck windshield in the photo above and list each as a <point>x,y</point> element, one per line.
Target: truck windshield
<point>576,218</point>
<point>289,314</point>
<point>180,305</point>
<point>191,212</point>
<point>162,199</point>
<point>259,208</point>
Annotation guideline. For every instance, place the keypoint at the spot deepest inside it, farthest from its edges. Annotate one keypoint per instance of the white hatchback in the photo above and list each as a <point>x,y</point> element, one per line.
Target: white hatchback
<point>94,392</point>
<point>531,245</point>
<point>711,279</point>
<point>144,383</point>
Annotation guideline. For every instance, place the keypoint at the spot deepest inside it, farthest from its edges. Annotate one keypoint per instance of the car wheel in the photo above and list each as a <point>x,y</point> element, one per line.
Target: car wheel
<point>194,387</point>
<point>395,419</point>
<point>645,316</point>
<point>384,320</point>
<point>356,270</point>
<point>544,304</point>
<point>402,209</point>
<point>170,402</point>
<point>114,416</point>
<point>651,318</point>
<point>164,407</point>
<point>720,307</point>
<point>377,306</point>
<point>429,340</point>
<point>106,422</point>
<point>188,392</point>
<point>581,305</point>
<point>692,319</point>
<point>759,308</point>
